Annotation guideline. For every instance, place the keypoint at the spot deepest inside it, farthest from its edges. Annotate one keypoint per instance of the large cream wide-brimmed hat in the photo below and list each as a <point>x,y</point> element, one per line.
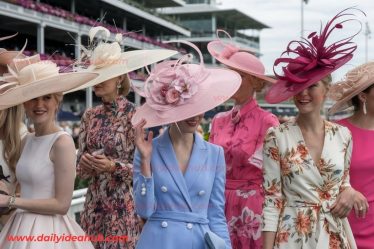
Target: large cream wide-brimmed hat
<point>31,77</point>
<point>108,60</point>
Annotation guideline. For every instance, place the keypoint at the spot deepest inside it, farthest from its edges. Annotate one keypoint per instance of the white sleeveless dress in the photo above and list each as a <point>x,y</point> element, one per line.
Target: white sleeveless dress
<point>35,173</point>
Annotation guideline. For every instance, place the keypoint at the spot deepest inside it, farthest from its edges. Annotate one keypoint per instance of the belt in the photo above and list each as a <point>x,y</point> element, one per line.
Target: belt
<point>337,225</point>
<point>179,216</point>
<point>242,184</point>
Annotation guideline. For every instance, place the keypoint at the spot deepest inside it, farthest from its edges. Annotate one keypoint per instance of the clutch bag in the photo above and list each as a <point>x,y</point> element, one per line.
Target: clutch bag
<point>213,241</point>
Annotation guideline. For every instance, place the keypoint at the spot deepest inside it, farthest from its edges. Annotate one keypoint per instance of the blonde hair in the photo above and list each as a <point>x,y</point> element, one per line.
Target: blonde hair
<point>125,86</point>
<point>10,124</point>
<point>58,98</point>
<point>327,81</point>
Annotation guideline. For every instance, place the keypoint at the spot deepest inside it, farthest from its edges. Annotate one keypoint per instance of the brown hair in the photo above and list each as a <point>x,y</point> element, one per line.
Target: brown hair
<point>10,125</point>
<point>356,101</point>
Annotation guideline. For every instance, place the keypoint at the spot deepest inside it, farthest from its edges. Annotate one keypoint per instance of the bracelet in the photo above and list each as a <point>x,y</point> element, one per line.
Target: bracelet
<point>12,201</point>
<point>112,166</point>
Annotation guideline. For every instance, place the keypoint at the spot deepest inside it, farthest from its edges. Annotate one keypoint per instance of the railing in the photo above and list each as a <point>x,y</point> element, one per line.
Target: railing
<point>79,196</point>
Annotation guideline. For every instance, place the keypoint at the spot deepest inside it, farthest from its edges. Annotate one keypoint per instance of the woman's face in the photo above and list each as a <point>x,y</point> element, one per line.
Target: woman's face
<point>370,100</point>
<point>245,90</point>
<point>311,99</point>
<point>42,109</point>
<point>190,125</point>
<point>107,88</point>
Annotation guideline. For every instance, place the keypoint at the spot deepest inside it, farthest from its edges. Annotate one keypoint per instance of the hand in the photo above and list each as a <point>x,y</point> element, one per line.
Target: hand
<point>4,200</point>
<point>85,163</point>
<point>141,222</point>
<point>361,205</point>
<point>101,163</point>
<point>344,203</point>
<point>144,147</point>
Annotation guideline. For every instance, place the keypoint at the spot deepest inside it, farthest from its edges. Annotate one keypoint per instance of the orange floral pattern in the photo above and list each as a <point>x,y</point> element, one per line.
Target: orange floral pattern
<point>300,192</point>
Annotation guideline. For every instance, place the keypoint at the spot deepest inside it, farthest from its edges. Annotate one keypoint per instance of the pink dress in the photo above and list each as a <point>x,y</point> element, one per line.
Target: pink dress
<point>362,179</point>
<point>241,133</point>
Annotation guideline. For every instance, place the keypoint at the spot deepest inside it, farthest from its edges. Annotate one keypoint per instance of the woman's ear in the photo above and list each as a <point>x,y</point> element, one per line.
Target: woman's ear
<point>362,97</point>
<point>121,77</point>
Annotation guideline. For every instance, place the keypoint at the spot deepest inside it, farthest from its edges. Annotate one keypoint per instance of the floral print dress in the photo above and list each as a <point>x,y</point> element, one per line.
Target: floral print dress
<point>109,206</point>
<point>300,192</point>
<point>241,133</point>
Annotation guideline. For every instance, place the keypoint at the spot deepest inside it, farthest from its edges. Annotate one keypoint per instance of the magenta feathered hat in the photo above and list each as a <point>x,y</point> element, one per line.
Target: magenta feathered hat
<point>313,59</point>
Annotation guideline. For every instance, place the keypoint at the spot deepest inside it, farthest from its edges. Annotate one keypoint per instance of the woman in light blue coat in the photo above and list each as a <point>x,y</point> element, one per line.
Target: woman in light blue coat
<point>179,178</point>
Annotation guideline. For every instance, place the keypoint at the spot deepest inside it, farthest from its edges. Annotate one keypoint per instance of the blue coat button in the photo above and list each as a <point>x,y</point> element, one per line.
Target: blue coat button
<point>164,224</point>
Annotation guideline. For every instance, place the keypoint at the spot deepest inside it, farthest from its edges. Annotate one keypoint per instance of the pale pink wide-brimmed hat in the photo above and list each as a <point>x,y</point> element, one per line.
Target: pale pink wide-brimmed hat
<point>354,82</point>
<point>30,78</point>
<point>234,57</point>
<point>6,56</point>
<point>107,59</point>
<point>178,89</point>
<point>310,60</point>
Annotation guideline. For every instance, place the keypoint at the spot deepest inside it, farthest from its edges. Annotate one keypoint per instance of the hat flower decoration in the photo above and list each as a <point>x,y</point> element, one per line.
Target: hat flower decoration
<point>103,53</point>
<point>30,77</point>
<point>172,83</point>
<point>311,59</point>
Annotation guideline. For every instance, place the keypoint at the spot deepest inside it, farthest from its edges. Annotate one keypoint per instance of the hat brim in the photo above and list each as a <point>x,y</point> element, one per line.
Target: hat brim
<point>6,57</point>
<point>130,61</point>
<point>282,90</point>
<point>54,84</point>
<point>213,49</point>
<point>345,102</point>
<point>206,98</point>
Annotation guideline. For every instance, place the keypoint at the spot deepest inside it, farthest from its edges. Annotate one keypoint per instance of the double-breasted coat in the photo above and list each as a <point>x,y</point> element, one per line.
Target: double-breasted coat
<point>180,208</point>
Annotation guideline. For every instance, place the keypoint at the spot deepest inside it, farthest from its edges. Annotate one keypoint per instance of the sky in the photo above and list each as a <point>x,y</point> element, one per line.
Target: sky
<point>284,18</point>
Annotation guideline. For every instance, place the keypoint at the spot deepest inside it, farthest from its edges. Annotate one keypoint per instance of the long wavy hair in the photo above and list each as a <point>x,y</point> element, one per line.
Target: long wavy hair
<point>10,125</point>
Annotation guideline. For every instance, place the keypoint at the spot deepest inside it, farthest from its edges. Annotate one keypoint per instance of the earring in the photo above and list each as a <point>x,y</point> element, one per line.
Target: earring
<point>364,108</point>
<point>119,86</point>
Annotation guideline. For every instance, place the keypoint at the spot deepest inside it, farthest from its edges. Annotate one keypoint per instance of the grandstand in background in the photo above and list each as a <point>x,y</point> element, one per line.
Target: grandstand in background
<point>54,28</point>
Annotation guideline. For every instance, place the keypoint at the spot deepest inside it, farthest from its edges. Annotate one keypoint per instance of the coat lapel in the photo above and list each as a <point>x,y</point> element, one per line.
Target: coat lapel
<point>196,165</point>
<point>167,154</point>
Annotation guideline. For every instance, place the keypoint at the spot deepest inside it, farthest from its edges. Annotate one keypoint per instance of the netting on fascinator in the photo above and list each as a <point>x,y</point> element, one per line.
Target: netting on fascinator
<point>173,83</point>
<point>313,52</point>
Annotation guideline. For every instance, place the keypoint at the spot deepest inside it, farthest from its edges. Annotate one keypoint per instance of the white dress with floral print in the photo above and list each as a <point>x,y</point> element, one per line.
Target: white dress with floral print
<point>300,192</point>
